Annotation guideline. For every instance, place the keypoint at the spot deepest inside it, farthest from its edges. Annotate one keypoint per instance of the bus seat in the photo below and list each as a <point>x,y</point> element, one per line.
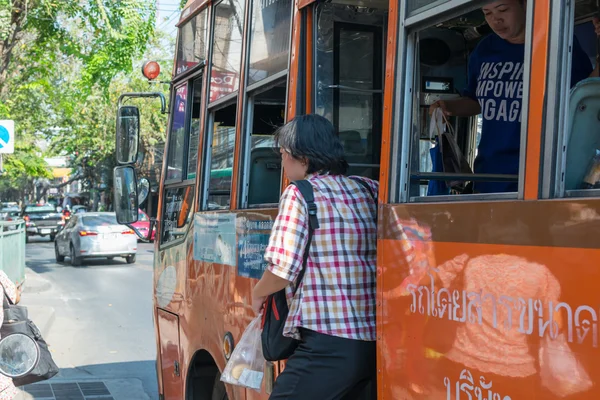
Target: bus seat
<point>584,131</point>
<point>352,142</point>
<point>265,176</point>
<point>354,150</point>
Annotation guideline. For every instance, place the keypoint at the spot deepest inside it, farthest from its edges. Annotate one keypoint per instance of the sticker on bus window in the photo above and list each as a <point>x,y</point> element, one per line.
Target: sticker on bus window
<point>253,240</point>
<point>214,238</point>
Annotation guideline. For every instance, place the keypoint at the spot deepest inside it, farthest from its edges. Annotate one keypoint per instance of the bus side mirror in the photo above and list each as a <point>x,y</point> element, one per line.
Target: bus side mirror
<point>125,195</point>
<point>128,134</point>
<point>143,190</point>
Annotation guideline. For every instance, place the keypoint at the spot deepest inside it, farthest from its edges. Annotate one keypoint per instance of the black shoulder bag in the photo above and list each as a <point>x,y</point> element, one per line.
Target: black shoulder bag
<point>17,321</point>
<point>275,346</point>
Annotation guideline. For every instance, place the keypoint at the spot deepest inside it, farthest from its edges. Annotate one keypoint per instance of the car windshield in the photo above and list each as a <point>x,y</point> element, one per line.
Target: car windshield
<point>142,217</point>
<point>40,209</point>
<point>99,220</point>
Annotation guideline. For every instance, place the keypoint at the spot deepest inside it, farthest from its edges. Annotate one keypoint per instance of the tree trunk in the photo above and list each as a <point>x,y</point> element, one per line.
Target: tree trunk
<point>18,17</point>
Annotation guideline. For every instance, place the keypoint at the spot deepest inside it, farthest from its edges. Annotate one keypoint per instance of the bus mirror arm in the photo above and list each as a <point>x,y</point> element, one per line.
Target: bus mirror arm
<point>163,101</point>
<point>140,235</point>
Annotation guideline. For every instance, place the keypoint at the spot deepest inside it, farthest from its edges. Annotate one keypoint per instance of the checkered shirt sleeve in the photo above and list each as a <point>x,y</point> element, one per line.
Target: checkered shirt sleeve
<point>288,236</point>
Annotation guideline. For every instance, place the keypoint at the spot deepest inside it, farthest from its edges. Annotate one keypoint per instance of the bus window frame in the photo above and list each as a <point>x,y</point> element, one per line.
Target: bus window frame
<point>225,100</point>
<point>207,152</point>
<point>186,131</point>
<point>408,87</point>
<point>252,91</point>
<point>200,66</point>
<point>378,76</point>
<point>555,142</point>
<point>380,34</point>
<point>247,104</point>
<point>186,78</point>
<point>198,76</point>
<point>192,211</point>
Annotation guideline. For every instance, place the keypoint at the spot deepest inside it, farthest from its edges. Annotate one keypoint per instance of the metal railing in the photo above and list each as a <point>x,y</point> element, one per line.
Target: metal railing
<point>12,250</point>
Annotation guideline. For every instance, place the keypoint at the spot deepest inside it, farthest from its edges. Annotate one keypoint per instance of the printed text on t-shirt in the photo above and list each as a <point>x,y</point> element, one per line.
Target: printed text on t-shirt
<point>500,90</point>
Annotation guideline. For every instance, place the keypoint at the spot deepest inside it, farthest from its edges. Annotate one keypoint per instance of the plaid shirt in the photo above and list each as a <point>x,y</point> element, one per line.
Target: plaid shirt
<point>337,294</point>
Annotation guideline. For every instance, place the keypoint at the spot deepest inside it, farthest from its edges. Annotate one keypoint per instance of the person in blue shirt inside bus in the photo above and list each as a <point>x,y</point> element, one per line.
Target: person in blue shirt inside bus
<point>495,90</point>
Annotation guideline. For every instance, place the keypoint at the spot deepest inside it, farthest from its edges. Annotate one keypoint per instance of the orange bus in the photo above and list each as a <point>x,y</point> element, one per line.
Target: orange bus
<point>479,295</point>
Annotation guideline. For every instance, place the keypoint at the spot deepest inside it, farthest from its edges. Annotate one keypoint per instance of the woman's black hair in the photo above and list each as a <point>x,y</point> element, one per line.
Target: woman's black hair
<point>313,138</point>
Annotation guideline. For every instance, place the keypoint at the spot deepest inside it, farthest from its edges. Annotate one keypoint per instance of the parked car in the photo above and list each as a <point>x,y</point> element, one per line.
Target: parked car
<point>10,214</point>
<point>143,225</point>
<point>42,220</point>
<point>95,234</point>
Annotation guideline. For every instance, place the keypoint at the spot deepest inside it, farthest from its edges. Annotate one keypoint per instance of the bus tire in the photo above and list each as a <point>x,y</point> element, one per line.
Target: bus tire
<point>219,392</point>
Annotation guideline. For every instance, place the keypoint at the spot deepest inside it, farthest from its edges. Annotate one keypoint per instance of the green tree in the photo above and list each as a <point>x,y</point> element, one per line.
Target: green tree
<point>90,136</point>
<point>57,62</point>
<point>19,168</point>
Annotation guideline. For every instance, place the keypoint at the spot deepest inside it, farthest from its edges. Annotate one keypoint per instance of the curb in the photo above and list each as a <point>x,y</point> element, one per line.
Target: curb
<point>34,283</point>
<point>43,317</point>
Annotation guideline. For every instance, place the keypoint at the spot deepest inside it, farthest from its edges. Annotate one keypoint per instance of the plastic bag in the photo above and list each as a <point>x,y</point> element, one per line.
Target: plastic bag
<point>560,371</point>
<point>453,159</point>
<point>592,178</point>
<point>246,365</point>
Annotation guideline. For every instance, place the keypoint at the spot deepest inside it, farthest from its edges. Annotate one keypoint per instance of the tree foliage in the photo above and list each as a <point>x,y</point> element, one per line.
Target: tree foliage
<point>18,170</point>
<point>58,64</point>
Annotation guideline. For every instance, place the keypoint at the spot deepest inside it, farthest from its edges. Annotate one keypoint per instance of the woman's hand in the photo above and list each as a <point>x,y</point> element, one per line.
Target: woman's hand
<point>258,303</point>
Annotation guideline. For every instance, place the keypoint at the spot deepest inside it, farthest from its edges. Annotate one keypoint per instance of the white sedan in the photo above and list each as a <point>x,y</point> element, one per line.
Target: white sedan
<point>96,234</point>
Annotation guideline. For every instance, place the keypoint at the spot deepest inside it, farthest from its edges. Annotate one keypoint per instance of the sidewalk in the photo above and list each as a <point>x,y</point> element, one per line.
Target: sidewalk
<point>68,387</point>
<point>41,315</point>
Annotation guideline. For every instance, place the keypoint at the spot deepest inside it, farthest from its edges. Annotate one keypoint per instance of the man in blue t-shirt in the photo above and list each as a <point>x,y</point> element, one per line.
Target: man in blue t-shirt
<point>495,90</point>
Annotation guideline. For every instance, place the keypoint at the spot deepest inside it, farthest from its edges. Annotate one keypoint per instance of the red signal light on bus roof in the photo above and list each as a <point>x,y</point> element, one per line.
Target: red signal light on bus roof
<point>151,70</point>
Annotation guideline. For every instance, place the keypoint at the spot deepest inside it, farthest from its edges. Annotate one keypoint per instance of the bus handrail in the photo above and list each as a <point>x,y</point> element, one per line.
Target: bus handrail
<point>451,176</point>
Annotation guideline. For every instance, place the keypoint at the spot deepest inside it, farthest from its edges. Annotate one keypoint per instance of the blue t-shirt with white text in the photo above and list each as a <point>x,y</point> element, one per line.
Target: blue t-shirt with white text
<point>495,80</point>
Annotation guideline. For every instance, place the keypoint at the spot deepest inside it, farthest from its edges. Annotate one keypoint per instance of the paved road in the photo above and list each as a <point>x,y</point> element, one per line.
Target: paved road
<point>102,330</point>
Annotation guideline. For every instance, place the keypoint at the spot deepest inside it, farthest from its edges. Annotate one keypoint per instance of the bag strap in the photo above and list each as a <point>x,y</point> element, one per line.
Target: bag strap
<point>306,189</point>
<point>6,301</point>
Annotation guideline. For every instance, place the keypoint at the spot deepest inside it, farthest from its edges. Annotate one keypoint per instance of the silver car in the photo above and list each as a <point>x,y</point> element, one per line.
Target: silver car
<point>95,235</point>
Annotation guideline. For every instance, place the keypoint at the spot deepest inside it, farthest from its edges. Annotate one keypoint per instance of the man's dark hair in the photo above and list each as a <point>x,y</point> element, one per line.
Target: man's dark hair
<point>313,138</point>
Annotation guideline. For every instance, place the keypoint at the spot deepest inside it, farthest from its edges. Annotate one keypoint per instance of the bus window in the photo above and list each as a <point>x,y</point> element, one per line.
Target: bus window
<point>349,67</point>
<point>580,171</point>
<point>191,46</point>
<point>479,78</point>
<point>222,140</point>
<point>177,135</point>
<point>267,112</point>
<point>192,159</point>
<point>270,40</point>
<point>227,48</point>
<point>177,213</point>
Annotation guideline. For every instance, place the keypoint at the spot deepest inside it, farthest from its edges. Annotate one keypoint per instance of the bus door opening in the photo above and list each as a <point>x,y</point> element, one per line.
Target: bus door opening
<point>349,77</point>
